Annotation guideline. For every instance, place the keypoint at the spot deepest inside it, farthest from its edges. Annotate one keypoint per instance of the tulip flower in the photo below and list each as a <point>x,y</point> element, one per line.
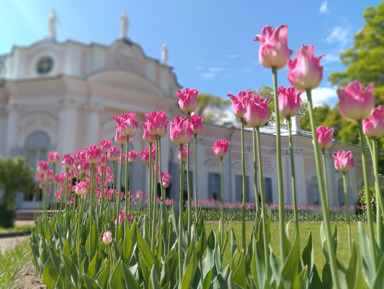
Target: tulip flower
<point>93,154</point>
<point>166,179</point>
<point>147,137</point>
<point>119,160</point>
<point>107,237</point>
<point>305,71</point>
<point>324,137</point>
<point>53,157</point>
<point>157,123</point>
<point>374,125</point>
<point>113,153</point>
<point>126,125</point>
<point>188,99</point>
<point>67,161</point>
<point>42,167</point>
<point>48,176</point>
<point>83,166</point>
<point>119,138</point>
<point>289,101</point>
<point>273,50</point>
<point>344,161</point>
<point>144,154</point>
<point>239,104</point>
<point>81,188</point>
<point>257,113</point>
<point>180,130</point>
<point>105,144</point>
<point>355,104</point>
<point>220,148</point>
<point>132,156</point>
<point>185,154</point>
<point>196,124</point>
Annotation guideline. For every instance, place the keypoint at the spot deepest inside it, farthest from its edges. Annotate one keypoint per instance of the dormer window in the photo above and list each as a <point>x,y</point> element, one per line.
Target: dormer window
<point>44,65</point>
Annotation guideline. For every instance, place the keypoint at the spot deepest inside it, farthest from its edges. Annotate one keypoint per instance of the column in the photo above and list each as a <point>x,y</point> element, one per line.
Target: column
<point>11,131</point>
<point>68,127</point>
<point>92,124</point>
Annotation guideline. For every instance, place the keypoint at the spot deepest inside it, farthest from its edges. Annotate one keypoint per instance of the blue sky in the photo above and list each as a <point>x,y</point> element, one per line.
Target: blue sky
<point>210,42</point>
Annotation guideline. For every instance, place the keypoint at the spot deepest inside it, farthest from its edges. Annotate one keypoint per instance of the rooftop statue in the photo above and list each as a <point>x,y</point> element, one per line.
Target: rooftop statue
<point>124,24</point>
<point>52,19</point>
<point>164,54</point>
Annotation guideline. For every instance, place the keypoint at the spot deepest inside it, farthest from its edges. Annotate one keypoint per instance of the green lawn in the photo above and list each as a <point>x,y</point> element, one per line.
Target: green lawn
<point>305,228</point>
<point>17,229</point>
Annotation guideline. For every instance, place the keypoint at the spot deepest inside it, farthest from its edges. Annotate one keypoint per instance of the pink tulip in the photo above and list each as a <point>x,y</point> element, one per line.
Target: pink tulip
<point>83,166</point>
<point>355,104</point>
<point>374,125</point>
<point>132,156</point>
<point>239,104</point>
<point>185,154</point>
<point>81,188</point>
<point>289,101</point>
<point>188,99</point>
<point>144,154</point>
<point>257,113</point>
<point>166,179</point>
<point>105,144</point>
<point>157,123</point>
<point>305,71</point>
<point>126,125</point>
<point>343,161</point>
<point>124,157</point>
<point>139,195</point>
<point>107,237</point>
<point>119,138</point>
<point>180,130</point>
<point>53,157</point>
<point>102,163</point>
<point>220,148</point>
<point>93,154</point>
<point>324,137</point>
<point>196,124</point>
<point>273,50</point>
<point>147,137</point>
<point>113,153</point>
<point>42,166</point>
<point>48,176</point>
<point>67,161</point>
<point>123,217</point>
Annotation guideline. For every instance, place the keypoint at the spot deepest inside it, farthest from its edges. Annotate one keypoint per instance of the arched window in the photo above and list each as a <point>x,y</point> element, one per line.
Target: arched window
<point>314,197</point>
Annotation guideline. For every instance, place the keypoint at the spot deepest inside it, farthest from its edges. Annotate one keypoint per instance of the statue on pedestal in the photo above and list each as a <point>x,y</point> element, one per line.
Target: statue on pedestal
<point>164,54</point>
<point>52,19</point>
<point>124,24</point>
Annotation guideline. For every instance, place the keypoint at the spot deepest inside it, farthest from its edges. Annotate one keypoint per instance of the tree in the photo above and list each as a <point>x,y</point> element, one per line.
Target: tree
<point>364,60</point>
<point>15,176</point>
<point>208,103</point>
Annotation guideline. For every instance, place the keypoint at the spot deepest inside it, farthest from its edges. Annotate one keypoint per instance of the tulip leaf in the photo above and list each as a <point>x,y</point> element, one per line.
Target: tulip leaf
<point>50,275</point>
<point>70,267</point>
<point>191,269</point>
<point>90,283</point>
<point>129,278</point>
<point>366,252</point>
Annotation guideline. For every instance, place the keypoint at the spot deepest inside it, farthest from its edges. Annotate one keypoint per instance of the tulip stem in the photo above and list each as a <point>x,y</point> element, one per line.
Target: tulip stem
<point>279,167</point>
<point>127,192</point>
<point>367,194</point>
<point>181,215</point>
<point>293,181</point>
<point>222,200</point>
<point>347,211</point>
<point>325,176</point>
<point>189,194</point>
<point>150,195</point>
<point>264,215</point>
<point>379,203</point>
<point>243,183</point>
<point>119,193</point>
<point>195,174</point>
<point>255,173</point>
<point>326,215</point>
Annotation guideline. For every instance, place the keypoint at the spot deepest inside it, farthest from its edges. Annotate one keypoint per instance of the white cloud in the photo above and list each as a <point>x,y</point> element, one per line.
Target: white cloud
<point>338,34</point>
<point>212,72</point>
<point>329,57</point>
<point>231,55</point>
<point>323,95</point>
<point>324,7</point>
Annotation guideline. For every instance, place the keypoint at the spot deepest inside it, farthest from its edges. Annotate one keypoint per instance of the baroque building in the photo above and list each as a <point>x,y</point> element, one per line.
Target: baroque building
<point>63,96</point>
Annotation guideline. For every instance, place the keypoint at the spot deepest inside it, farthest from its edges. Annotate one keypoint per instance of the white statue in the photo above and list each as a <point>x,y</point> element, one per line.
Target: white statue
<point>164,54</point>
<point>52,19</point>
<point>124,23</point>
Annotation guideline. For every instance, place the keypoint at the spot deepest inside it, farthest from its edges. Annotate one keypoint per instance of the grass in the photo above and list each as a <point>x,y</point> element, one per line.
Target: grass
<point>17,229</point>
<point>12,261</point>
<point>305,228</point>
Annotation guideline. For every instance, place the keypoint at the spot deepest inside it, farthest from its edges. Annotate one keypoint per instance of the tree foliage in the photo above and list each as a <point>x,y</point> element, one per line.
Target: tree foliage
<point>15,176</point>
<point>363,60</point>
<point>207,103</point>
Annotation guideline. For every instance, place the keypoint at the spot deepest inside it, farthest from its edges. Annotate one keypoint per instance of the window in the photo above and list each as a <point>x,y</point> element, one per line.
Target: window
<point>314,197</point>
<point>239,188</point>
<point>267,184</point>
<point>214,186</point>
<point>44,65</point>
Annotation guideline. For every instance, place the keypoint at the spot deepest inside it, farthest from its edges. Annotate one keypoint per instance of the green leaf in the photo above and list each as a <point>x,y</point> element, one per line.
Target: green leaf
<point>145,251</point>
<point>90,283</point>
<point>379,280</point>
<point>129,278</point>
<point>190,272</point>
<point>155,280</point>
<point>207,279</point>
<point>366,252</point>
<point>117,278</point>
<point>50,275</point>
<point>308,254</point>
<point>239,275</point>
<point>92,269</point>
<point>290,267</point>
<point>233,243</point>
<point>70,267</point>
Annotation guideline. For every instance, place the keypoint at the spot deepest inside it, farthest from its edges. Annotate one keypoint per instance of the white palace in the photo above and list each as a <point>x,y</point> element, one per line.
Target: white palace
<point>63,96</point>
